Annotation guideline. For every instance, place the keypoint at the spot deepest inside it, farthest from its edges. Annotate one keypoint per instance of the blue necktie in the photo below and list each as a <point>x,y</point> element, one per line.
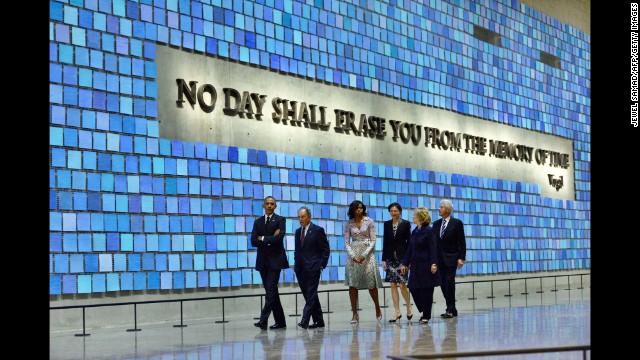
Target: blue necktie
<point>444,225</point>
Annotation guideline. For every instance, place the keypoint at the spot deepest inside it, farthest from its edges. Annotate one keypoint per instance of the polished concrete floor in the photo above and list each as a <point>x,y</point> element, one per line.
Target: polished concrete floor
<point>523,321</point>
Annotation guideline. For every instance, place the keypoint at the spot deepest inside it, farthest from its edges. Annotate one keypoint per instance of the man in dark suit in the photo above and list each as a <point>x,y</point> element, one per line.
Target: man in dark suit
<point>452,250</point>
<point>268,235</point>
<point>311,256</point>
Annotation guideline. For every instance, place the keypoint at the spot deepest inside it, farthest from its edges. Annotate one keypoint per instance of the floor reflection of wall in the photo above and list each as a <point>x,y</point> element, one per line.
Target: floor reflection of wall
<point>557,321</point>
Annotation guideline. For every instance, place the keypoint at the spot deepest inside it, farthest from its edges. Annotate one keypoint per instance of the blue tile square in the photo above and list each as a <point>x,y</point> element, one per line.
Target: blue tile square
<point>55,287</point>
<point>61,263</point>
<point>69,284</point>
<point>148,261</point>
<point>126,281</point>
<point>76,263</point>
<point>178,280</point>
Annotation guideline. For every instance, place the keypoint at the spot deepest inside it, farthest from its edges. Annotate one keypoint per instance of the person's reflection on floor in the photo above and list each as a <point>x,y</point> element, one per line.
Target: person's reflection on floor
<point>450,341</point>
<point>402,334</point>
<point>423,343</point>
<point>313,343</point>
<point>364,344</point>
<point>354,348</point>
<point>395,347</point>
<point>272,347</point>
<point>373,350</point>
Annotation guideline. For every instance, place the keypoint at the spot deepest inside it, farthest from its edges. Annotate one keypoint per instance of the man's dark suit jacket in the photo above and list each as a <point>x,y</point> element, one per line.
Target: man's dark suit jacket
<point>452,246</point>
<point>271,249</point>
<point>313,255</point>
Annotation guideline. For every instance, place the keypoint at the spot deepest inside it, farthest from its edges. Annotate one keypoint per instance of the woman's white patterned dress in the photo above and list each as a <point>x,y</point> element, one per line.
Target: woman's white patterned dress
<point>361,242</point>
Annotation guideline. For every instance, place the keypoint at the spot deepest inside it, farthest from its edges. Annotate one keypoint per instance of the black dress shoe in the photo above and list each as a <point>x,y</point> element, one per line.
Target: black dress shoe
<point>447,315</point>
<point>277,326</point>
<point>316,325</point>
<point>304,326</point>
<point>261,325</point>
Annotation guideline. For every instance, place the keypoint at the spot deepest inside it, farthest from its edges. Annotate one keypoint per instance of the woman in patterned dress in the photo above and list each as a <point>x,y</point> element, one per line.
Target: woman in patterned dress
<point>361,269</point>
<point>395,241</point>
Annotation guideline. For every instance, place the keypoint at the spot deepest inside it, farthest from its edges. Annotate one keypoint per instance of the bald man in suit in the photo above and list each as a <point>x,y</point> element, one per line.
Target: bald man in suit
<point>311,256</point>
<point>268,236</point>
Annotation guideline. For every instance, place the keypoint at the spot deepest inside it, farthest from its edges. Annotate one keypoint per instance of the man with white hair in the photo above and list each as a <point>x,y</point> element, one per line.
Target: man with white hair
<point>452,250</point>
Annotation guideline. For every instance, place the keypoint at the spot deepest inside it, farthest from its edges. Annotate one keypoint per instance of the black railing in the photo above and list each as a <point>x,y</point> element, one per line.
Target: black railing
<point>582,348</point>
<point>555,283</point>
<point>296,293</point>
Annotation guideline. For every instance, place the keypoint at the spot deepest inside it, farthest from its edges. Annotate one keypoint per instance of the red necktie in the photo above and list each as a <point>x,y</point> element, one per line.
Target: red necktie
<point>302,237</point>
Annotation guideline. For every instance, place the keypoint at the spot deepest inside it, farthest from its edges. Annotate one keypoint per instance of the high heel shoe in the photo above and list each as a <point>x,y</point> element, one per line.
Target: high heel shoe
<point>409,317</point>
<point>354,320</point>
<point>396,319</point>
<point>379,318</point>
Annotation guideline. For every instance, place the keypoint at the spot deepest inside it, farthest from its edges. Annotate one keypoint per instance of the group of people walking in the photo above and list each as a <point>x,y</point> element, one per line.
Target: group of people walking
<point>415,262</point>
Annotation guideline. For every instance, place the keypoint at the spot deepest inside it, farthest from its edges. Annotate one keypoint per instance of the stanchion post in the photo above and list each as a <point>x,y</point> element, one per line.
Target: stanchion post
<point>384,298</point>
<point>258,318</point>
<point>84,333</point>
<point>181,323</point>
<point>473,291</point>
<point>328,309</point>
<point>525,288</point>
<point>223,320</point>
<point>555,284</point>
<point>135,318</point>
<point>509,294</point>
<point>491,297</point>
<point>540,291</point>
<point>581,287</point>
<point>296,313</point>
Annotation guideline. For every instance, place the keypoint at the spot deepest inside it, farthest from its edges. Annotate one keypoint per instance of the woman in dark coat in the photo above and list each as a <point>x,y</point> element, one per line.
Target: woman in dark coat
<point>397,232</point>
<point>421,259</point>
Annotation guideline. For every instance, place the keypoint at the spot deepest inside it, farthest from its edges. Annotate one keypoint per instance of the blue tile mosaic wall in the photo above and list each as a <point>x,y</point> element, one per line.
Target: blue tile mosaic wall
<point>132,211</point>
